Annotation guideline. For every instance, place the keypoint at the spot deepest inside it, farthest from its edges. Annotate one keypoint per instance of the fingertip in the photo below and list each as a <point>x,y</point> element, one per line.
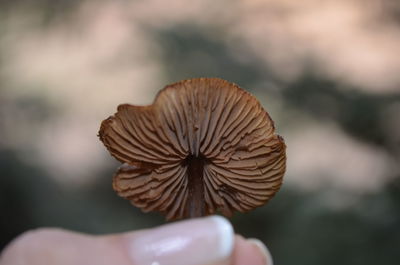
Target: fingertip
<point>207,240</point>
<point>250,251</point>
<point>262,248</point>
<point>225,235</point>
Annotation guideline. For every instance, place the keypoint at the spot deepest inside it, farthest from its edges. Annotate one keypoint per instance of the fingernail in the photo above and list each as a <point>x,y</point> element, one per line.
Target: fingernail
<point>263,250</point>
<point>199,241</point>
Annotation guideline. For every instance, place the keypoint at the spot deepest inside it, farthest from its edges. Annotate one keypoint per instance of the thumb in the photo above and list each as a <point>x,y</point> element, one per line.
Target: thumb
<point>200,241</point>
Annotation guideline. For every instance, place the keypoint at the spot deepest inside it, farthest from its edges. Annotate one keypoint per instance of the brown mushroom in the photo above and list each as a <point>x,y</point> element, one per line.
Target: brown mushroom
<point>204,145</point>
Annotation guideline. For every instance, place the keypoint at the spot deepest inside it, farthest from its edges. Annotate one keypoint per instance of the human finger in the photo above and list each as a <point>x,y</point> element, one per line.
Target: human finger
<point>199,241</point>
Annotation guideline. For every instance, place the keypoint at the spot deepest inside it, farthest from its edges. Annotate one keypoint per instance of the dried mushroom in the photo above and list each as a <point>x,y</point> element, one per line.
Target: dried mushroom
<point>204,145</point>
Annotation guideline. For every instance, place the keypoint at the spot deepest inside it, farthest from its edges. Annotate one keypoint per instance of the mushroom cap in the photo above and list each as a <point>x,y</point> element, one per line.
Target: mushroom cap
<point>207,119</point>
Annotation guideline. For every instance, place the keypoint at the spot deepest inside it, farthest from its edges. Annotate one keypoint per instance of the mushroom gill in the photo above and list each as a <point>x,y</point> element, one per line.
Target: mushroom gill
<point>204,145</point>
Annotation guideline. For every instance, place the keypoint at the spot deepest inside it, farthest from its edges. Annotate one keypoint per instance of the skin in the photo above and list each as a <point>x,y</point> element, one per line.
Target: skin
<point>72,248</point>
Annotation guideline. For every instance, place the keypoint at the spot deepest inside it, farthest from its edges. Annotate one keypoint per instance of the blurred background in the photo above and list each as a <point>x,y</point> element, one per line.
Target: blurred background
<point>328,72</point>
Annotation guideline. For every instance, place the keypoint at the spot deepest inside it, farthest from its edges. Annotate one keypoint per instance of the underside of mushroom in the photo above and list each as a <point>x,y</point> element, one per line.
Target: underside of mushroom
<point>204,145</point>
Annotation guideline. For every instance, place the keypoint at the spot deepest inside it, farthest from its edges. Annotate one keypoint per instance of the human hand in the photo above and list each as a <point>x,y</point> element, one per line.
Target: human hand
<point>201,241</point>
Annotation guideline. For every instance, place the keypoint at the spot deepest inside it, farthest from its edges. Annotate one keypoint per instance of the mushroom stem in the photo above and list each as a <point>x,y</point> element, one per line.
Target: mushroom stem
<point>195,204</point>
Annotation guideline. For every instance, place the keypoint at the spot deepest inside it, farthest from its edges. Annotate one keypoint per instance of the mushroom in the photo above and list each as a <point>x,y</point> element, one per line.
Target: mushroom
<point>204,145</point>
